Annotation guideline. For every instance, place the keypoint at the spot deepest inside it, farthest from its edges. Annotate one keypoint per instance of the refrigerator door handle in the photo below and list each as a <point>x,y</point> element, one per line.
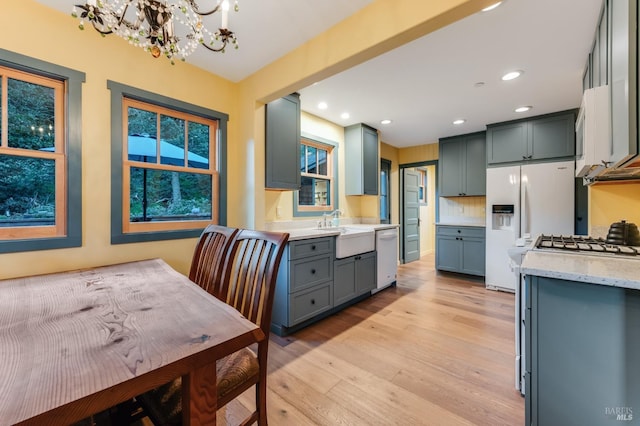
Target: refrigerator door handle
<point>524,210</point>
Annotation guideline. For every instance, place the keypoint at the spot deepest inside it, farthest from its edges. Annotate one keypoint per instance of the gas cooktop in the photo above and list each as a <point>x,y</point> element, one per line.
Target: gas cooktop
<point>580,243</point>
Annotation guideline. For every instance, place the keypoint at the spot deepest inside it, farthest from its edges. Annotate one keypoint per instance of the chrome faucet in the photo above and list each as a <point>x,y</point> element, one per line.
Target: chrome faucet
<point>324,219</point>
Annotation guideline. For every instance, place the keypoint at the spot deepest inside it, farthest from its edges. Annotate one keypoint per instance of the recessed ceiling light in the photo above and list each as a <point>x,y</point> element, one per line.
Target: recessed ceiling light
<point>344,115</point>
<point>512,74</point>
<point>523,108</point>
<point>323,105</point>
<point>493,6</point>
<point>385,121</point>
<point>459,121</point>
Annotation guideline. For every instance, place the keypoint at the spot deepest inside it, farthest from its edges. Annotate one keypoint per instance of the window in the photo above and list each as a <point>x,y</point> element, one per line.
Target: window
<point>422,187</point>
<point>316,177</point>
<point>385,191</point>
<point>169,177</point>
<point>40,168</point>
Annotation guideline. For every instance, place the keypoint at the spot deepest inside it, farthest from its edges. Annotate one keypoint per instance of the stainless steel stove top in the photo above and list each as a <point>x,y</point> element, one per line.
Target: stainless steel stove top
<point>584,244</point>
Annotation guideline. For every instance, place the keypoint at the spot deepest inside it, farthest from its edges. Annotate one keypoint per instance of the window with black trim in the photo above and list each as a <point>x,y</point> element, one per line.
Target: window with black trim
<point>40,170</point>
<point>168,184</point>
<point>316,177</point>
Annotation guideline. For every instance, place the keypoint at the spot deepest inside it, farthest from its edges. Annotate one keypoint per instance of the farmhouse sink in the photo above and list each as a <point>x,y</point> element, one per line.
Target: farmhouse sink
<point>352,241</point>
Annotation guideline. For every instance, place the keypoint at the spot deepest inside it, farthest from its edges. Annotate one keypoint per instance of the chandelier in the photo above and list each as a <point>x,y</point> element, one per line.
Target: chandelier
<point>163,28</point>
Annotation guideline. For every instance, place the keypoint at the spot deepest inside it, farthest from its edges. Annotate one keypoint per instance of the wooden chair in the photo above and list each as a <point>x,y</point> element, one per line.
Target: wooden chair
<point>209,256</point>
<point>248,284</point>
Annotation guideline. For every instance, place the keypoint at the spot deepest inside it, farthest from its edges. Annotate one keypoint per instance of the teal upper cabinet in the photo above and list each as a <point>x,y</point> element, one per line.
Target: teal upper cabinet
<point>361,159</point>
<point>623,79</point>
<point>540,138</point>
<point>282,143</point>
<point>461,165</point>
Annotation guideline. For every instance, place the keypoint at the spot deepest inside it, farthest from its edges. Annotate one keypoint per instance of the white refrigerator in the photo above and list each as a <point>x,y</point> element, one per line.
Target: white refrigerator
<point>524,202</point>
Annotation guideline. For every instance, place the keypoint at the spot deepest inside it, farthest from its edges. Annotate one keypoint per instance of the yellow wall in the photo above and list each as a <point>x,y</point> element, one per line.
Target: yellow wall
<point>31,29</point>
<point>28,28</point>
<point>613,202</point>
<point>282,201</point>
<point>416,154</point>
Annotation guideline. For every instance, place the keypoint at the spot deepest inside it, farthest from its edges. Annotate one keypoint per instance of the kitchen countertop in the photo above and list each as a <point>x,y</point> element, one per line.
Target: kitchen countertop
<point>307,233</point>
<point>616,271</point>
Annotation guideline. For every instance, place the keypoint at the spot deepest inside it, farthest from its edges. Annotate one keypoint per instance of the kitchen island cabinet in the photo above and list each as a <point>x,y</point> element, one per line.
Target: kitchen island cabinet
<point>460,249</point>
<point>353,277</point>
<point>547,137</point>
<point>313,284</point>
<point>462,166</point>
<point>581,336</point>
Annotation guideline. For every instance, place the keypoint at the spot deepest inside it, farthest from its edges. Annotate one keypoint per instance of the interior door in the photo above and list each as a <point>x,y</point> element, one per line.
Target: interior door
<point>410,215</point>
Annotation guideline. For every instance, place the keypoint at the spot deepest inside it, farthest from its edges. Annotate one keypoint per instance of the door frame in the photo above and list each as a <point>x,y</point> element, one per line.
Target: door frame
<point>401,198</point>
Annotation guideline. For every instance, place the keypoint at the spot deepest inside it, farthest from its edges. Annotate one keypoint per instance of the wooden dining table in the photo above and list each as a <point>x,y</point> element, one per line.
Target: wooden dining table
<point>75,343</point>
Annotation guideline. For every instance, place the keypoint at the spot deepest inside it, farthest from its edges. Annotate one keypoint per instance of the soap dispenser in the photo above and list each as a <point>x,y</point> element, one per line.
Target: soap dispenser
<point>335,222</point>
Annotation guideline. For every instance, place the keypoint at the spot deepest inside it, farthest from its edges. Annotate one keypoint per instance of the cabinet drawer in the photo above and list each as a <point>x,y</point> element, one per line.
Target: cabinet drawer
<point>461,231</point>
<point>309,303</point>
<point>311,247</point>
<point>309,272</point>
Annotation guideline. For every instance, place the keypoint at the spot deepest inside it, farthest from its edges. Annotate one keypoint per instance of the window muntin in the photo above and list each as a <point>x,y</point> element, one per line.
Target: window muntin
<point>316,177</point>
<point>170,180</point>
<point>33,158</point>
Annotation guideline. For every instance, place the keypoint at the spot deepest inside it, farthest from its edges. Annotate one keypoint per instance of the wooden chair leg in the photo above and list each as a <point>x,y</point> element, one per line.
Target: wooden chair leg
<point>261,401</point>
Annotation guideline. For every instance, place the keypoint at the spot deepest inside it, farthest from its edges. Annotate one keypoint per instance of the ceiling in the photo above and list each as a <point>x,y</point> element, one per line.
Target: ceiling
<point>426,84</point>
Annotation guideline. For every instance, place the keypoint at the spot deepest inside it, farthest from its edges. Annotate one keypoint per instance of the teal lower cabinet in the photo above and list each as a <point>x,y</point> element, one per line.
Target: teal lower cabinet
<point>460,249</point>
<point>307,288</point>
<point>582,353</point>
<point>353,276</point>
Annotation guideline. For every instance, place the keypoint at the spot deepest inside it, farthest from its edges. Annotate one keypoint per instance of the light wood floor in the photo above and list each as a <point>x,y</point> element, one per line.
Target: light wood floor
<point>436,350</point>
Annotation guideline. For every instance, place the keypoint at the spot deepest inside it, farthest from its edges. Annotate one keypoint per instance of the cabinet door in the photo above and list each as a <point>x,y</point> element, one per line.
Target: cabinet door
<point>365,273</point>
<point>623,80</point>
<point>448,253</point>
<point>344,280</point>
<point>507,143</point>
<point>282,143</point>
<point>361,155</point>
<point>450,168</point>
<point>475,170</point>
<point>552,137</point>
<point>583,336</point>
<point>595,61</point>
<point>603,43</point>
<point>370,161</point>
<point>473,256</point>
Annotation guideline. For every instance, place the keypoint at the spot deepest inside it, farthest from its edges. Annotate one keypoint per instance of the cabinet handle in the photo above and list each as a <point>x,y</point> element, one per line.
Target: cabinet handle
<point>524,157</point>
<point>459,231</point>
<point>313,301</point>
<point>313,247</point>
<point>313,271</point>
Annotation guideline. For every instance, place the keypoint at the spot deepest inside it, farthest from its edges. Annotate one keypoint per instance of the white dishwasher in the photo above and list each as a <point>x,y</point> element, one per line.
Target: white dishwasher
<point>387,257</point>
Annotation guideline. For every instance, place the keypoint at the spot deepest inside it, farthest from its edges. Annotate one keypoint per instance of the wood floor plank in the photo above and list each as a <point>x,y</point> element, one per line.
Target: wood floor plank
<point>437,349</point>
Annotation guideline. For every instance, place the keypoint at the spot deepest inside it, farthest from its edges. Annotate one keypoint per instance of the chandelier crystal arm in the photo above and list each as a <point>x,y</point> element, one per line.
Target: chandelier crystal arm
<point>196,8</point>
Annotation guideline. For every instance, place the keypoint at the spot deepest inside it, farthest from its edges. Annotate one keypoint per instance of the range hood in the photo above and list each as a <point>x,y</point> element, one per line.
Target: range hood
<point>601,173</point>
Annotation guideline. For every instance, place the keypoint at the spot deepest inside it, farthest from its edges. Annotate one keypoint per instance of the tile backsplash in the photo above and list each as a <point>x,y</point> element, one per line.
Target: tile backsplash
<point>470,209</point>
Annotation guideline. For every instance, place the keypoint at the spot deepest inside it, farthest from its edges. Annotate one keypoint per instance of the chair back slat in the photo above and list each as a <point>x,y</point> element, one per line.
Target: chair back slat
<point>250,274</point>
<point>207,265</point>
